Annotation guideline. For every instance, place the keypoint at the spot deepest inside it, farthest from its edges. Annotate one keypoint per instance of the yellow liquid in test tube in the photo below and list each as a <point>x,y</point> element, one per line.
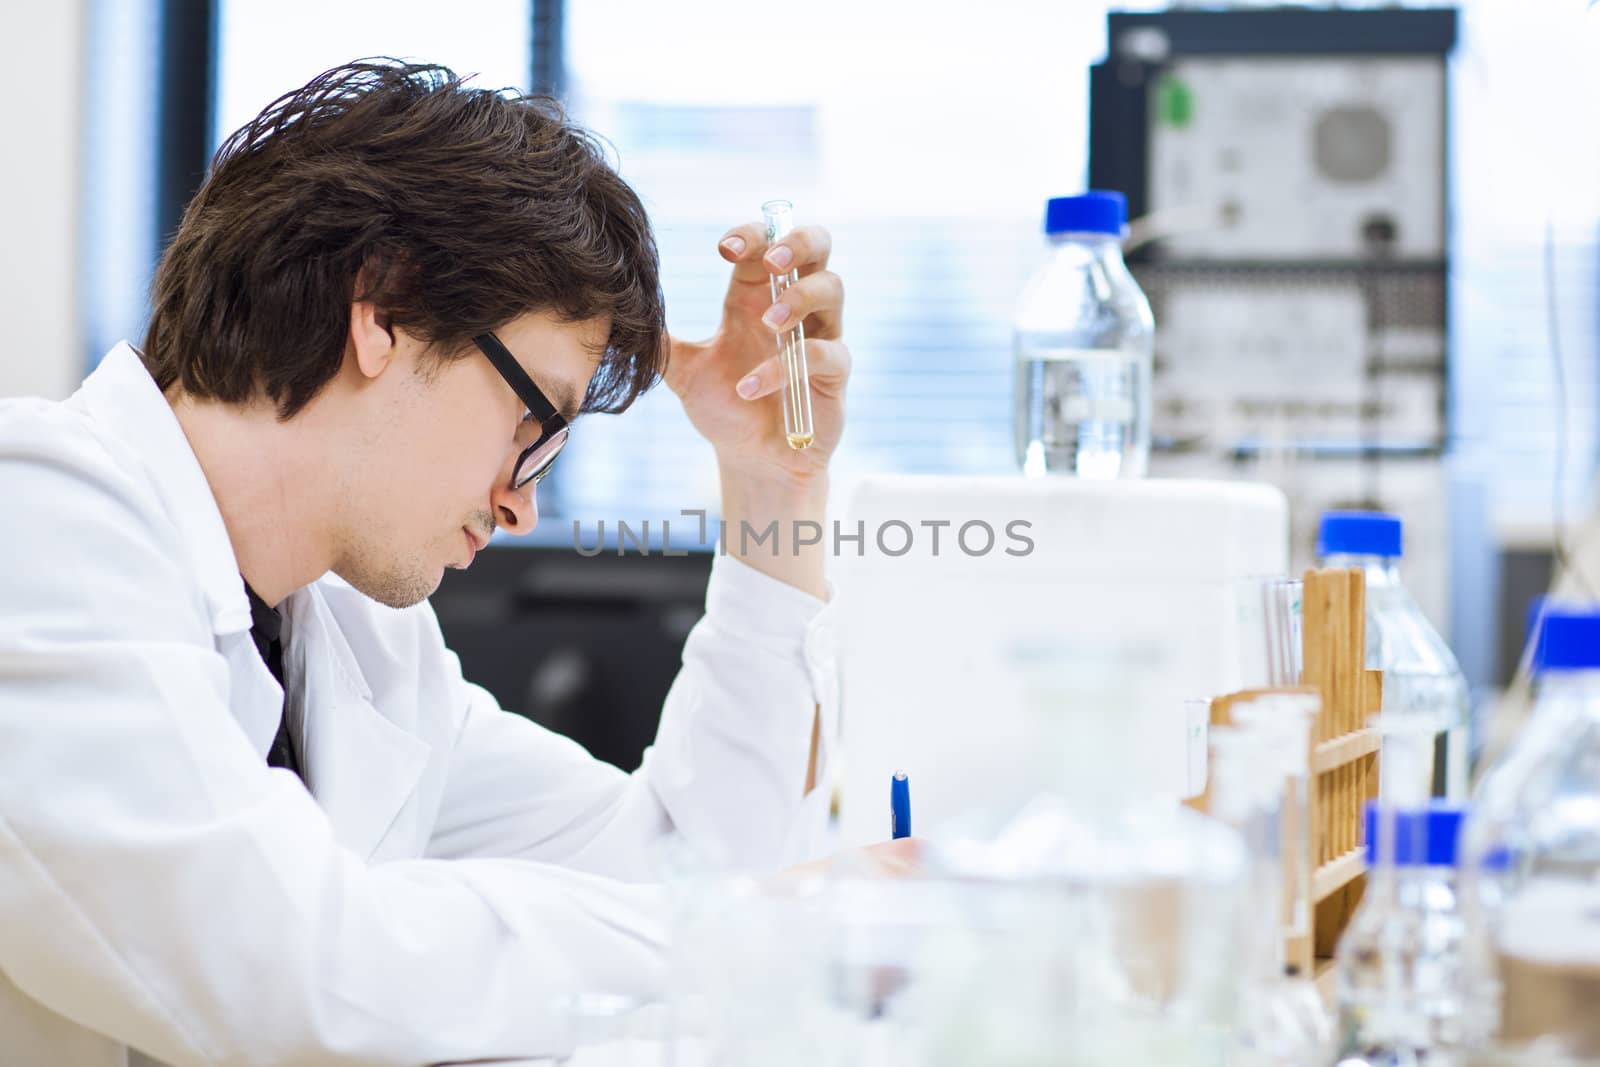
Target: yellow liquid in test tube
<point>779,216</point>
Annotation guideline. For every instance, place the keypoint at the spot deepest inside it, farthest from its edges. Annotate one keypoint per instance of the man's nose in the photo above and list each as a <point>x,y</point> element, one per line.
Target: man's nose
<point>517,509</point>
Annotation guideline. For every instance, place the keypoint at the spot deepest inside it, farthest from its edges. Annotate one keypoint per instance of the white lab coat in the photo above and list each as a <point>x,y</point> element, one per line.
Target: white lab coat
<point>453,868</point>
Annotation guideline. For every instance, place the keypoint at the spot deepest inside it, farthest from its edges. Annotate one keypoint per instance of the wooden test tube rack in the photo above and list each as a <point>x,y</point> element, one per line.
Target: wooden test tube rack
<point>1344,756</point>
<point>1342,761</point>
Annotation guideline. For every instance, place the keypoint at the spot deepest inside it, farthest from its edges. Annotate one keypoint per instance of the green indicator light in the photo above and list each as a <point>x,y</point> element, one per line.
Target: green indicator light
<point>1174,103</point>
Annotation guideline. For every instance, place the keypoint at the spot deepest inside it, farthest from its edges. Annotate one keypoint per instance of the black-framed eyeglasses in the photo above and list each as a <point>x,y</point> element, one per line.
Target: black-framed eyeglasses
<point>535,461</point>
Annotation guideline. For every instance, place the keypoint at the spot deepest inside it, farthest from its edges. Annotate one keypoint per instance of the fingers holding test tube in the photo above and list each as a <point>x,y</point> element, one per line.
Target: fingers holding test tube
<point>814,300</point>
<point>829,369</point>
<point>732,384</point>
<point>805,298</point>
<point>804,250</point>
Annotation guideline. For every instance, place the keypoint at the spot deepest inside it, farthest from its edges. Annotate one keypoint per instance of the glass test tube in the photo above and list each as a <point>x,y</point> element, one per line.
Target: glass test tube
<point>1287,718</point>
<point>1247,794</point>
<point>779,216</point>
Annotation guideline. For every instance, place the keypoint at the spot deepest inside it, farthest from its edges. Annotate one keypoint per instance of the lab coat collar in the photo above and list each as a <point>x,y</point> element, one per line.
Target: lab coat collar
<point>361,767</point>
<point>121,396</point>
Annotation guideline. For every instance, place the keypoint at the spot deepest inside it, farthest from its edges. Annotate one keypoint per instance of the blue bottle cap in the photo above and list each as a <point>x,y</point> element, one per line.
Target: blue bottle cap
<point>1569,640</point>
<point>1424,837</point>
<point>1096,211</point>
<point>1359,533</point>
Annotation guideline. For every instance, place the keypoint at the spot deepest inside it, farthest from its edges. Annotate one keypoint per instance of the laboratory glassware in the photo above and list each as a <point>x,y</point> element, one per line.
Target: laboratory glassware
<point>1083,339</point>
<point>1400,961</point>
<point>1283,1022</point>
<point>1285,721</point>
<point>1271,615</point>
<point>1420,674</point>
<point>1131,955</point>
<point>1530,864</point>
<point>1138,898</point>
<point>797,426</point>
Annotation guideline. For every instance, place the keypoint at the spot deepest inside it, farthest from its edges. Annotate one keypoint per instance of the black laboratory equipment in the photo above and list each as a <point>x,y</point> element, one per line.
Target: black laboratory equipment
<point>587,645</point>
<point>1288,184</point>
<point>1287,176</point>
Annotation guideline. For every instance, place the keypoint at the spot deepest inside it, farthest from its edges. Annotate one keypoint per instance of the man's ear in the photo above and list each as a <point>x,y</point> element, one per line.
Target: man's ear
<point>372,339</point>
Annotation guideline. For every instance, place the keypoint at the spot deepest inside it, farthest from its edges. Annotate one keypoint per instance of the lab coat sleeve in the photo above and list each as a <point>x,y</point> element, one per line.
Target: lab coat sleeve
<point>162,886</point>
<point>723,787</point>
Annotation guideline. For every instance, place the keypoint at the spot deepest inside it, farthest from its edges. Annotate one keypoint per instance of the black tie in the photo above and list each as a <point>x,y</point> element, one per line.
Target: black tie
<point>266,628</point>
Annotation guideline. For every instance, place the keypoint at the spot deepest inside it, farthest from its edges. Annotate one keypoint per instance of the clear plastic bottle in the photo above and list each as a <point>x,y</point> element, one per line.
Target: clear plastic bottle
<point>1083,338</point>
<point>1420,674</point>
<point>1400,961</point>
<point>1531,864</point>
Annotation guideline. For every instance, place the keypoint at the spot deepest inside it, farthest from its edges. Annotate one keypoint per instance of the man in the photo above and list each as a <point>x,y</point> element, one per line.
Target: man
<point>250,812</point>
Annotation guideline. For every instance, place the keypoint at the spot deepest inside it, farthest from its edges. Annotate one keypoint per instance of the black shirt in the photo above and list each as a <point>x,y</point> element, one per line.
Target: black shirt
<point>266,628</point>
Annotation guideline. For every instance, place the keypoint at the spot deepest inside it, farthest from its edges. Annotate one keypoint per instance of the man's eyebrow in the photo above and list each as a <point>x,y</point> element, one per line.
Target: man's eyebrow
<point>567,401</point>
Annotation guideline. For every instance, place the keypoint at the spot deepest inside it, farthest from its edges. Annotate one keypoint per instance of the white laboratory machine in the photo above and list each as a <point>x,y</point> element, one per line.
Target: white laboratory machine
<point>998,633</point>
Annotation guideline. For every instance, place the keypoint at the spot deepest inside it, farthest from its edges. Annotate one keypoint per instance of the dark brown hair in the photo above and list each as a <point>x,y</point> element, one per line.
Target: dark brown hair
<point>458,209</point>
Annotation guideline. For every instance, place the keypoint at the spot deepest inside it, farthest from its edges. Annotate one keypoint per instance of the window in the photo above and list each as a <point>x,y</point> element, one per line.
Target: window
<point>265,50</point>
<point>1527,97</point>
<point>927,145</point>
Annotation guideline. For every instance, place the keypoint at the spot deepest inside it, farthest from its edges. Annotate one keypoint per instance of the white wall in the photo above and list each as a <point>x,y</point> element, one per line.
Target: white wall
<point>41,347</point>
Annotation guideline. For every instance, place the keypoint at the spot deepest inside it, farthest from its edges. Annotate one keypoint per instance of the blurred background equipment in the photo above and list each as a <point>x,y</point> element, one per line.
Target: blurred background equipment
<point>1287,169</point>
<point>587,646</point>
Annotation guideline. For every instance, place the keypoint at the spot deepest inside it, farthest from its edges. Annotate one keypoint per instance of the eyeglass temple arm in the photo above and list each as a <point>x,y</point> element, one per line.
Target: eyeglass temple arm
<point>512,371</point>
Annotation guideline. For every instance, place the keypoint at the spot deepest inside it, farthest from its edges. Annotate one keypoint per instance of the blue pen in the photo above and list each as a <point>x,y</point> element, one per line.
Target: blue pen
<point>899,806</point>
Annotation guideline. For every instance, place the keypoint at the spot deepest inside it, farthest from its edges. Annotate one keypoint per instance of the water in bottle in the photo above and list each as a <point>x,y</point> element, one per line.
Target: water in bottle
<point>1083,338</point>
